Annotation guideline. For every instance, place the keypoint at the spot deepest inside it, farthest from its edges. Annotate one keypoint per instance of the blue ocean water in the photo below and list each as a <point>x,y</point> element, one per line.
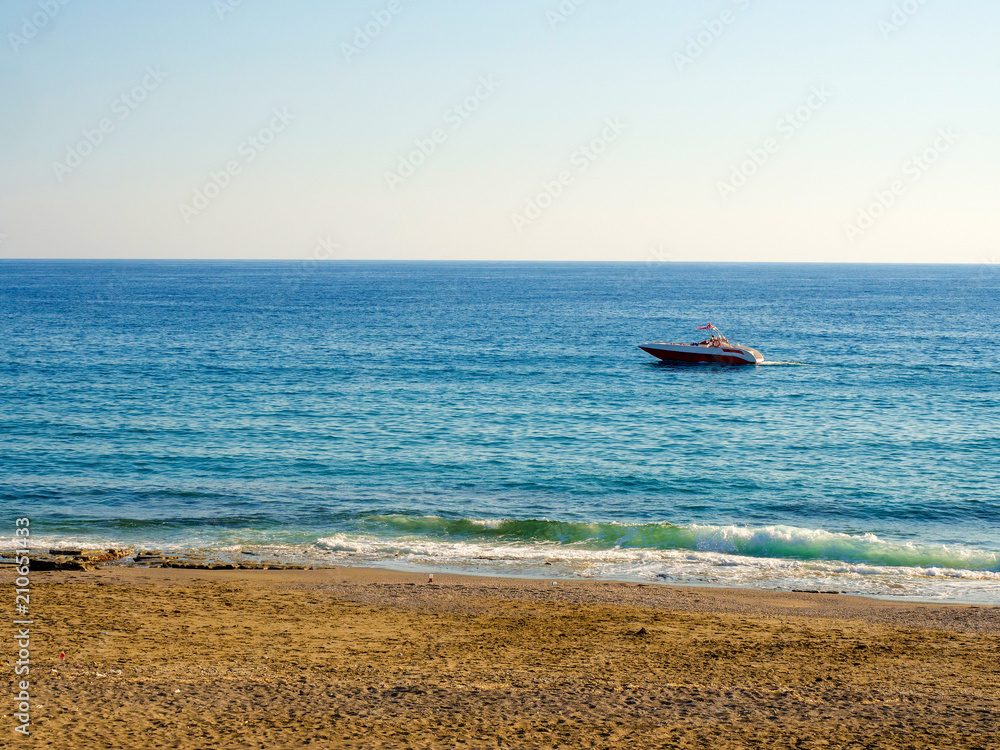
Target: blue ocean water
<point>498,417</point>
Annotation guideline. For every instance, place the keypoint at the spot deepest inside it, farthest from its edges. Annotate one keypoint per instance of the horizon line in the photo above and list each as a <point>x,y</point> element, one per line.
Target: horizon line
<point>331,261</point>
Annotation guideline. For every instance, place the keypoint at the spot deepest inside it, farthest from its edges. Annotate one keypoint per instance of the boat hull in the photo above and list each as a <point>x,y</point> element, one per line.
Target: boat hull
<point>723,355</point>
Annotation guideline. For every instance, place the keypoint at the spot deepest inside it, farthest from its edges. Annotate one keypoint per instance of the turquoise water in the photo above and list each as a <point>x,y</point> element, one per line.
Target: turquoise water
<point>499,418</point>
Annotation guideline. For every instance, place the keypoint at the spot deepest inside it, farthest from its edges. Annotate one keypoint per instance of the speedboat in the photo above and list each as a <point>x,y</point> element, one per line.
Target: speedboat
<point>716,348</point>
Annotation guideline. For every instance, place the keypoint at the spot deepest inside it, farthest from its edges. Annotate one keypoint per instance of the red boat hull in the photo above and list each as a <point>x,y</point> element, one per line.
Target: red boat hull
<point>721,355</point>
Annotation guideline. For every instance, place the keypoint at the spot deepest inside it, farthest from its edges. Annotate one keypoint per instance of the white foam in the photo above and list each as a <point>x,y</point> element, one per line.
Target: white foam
<point>764,557</point>
<point>673,566</point>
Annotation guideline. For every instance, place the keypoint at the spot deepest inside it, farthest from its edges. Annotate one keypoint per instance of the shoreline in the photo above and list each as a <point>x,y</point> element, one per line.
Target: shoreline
<point>707,597</point>
<point>95,558</point>
<point>369,657</point>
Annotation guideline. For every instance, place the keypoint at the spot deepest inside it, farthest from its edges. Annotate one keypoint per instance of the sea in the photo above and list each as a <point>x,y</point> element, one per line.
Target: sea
<point>499,419</point>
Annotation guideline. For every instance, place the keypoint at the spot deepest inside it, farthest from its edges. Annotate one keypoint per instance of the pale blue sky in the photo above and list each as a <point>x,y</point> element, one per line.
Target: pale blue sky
<point>869,99</point>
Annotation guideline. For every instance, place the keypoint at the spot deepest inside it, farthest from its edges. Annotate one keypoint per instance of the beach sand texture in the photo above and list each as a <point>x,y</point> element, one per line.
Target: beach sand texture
<point>356,658</point>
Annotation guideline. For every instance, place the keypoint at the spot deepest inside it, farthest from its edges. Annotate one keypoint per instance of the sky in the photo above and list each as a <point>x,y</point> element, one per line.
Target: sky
<point>723,130</point>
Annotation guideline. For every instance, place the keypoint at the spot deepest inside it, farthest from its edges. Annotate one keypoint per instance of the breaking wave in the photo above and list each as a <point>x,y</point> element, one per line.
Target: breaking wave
<point>403,534</point>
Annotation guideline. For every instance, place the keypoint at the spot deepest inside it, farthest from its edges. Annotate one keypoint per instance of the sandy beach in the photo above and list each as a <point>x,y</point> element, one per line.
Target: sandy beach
<point>367,658</point>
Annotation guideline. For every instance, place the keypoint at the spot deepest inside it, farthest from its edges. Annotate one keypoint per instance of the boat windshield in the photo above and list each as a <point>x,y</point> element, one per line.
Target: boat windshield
<point>715,338</point>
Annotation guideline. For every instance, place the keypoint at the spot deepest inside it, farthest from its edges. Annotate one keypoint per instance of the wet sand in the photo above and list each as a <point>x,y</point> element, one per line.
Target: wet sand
<point>366,658</point>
